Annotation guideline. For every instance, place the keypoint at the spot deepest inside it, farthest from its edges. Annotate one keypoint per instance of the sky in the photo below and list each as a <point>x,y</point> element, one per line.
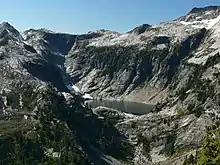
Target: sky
<point>82,16</point>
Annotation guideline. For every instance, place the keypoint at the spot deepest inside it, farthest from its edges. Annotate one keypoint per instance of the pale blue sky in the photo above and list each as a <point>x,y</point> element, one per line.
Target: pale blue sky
<point>81,16</point>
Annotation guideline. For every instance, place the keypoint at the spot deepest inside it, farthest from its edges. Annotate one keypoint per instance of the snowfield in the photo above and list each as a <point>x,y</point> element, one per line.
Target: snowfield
<point>208,24</point>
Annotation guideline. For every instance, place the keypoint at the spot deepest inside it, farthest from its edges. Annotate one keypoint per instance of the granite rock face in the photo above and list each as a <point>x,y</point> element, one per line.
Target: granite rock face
<point>148,61</point>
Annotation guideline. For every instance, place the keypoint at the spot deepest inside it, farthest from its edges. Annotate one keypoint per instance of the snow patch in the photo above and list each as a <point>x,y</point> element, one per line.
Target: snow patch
<point>188,91</point>
<point>87,96</point>
<point>208,24</point>
<point>66,95</point>
<point>209,12</point>
<point>198,60</point>
<point>129,115</point>
<point>213,22</point>
<point>68,69</point>
<point>25,117</point>
<point>185,122</point>
<point>217,66</point>
<point>160,47</point>
<point>50,152</point>
<point>73,87</point>
<point>20,101</point>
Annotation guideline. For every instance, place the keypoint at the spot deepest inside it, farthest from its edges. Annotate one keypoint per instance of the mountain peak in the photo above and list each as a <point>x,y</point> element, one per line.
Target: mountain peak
<point>5,26</point>
<point>140,29</point>
<point>204,9</point>
<point>202,16</point>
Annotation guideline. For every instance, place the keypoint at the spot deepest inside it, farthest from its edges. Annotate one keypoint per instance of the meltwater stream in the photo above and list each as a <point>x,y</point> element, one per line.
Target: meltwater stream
<point>124,106</point>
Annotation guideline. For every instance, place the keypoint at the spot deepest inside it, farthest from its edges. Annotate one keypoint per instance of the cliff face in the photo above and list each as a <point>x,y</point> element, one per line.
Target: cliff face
<point>121,71</point>
<point>146,63</point>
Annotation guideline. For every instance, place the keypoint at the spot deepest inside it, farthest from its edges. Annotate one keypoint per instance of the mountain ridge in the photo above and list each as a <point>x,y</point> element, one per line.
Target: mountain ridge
<point>141,36</point>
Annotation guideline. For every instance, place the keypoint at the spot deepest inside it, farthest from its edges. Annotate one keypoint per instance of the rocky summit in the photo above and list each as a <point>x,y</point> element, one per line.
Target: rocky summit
<point>46,77</point>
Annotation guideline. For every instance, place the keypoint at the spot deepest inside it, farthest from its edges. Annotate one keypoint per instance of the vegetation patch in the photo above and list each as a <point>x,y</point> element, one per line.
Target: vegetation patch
<point>210,151</point>
<point>180,113</point>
